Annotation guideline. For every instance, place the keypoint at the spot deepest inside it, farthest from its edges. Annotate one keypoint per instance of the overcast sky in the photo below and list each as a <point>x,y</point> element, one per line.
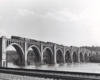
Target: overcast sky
<point>67,22</point>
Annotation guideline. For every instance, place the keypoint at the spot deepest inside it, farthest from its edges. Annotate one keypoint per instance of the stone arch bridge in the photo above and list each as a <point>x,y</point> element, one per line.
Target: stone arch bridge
<point>46,52</point>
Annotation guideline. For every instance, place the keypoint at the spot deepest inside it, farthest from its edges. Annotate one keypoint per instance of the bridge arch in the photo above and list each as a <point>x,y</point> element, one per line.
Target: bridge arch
<point>81,57</point>
<point>59,56</point>
<point>20,52</point>
<point>33,56</point>
<point>67,56</point>
<point>75,56</point>
<point>47,55</point>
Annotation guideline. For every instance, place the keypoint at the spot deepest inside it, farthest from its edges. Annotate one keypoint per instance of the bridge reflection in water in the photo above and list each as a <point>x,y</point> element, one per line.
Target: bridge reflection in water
<point>73,67</point>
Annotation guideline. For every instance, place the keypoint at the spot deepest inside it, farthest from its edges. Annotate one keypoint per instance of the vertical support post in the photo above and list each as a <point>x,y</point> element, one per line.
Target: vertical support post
<point>25,52</point>
<point>3,52</point>
<point>87,56</point>
<point>64,55</point>
<point>71,54</point>
<point>41,53</point>
<point>78,50</point>
<point>84,55</point>
<point>55,54</point>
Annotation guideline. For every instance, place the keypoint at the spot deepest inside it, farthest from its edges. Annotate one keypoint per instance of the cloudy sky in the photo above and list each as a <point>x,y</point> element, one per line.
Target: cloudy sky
<point>67,22</point>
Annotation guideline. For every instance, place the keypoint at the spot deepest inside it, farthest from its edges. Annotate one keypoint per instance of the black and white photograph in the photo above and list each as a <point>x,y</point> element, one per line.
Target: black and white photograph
<point>49,39</point>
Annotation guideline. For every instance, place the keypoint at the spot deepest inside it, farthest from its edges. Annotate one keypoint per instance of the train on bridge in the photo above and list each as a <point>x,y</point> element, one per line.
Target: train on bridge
<point>45,52</point>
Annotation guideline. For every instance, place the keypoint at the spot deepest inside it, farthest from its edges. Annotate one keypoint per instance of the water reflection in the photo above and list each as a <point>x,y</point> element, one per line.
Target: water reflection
<point>76,67</point>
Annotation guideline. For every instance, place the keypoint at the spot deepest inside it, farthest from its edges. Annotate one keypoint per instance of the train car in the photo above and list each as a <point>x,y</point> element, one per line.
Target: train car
<point>17,37</point>
<point>33,40</point>
<point>27,39</point>
<point>50,43</point>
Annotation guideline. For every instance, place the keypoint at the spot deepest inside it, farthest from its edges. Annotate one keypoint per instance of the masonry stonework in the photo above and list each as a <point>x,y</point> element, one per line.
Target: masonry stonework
<point>22,45</point>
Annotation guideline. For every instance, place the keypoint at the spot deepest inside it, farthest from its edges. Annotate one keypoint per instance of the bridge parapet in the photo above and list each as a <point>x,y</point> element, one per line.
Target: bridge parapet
<point>49,45</point>
<point>11,41</point>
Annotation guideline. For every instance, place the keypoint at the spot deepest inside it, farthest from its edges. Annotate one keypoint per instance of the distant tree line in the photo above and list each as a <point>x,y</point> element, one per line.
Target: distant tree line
<point>13,57</point>
<point>94,58</point>
<point>94,48</point>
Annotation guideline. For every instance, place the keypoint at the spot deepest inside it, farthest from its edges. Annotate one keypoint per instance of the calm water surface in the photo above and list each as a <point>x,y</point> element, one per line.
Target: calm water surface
<point>76,67</point>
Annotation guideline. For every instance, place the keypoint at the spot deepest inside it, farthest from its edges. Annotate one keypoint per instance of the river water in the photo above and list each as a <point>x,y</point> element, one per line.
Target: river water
<point>75,67</point>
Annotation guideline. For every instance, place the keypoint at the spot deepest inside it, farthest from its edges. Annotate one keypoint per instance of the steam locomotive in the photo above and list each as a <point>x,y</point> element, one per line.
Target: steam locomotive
<point>21,38</point>
<point>17,37</point>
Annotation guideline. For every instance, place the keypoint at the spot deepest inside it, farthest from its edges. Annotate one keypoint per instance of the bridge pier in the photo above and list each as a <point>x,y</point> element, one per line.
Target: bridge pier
<point>64,55</point>
<point>25,53</point>
<point>55,54</point>
<point>3,63</point>
<point>25,63</point>
<point>3,52</point>
<point>71,52</point>
<point>83,56</point>
<point>78,51</point>
<point>41,62</point>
